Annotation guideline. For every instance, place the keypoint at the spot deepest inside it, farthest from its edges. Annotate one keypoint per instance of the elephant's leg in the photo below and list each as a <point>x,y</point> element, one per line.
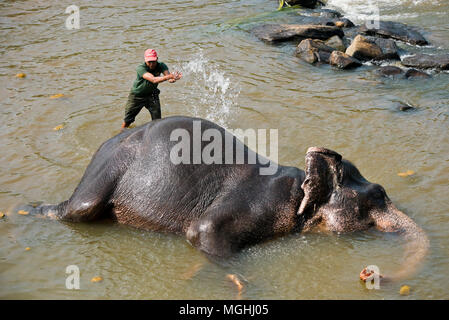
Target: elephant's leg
<point>210,236</point>
<point>91,199</point>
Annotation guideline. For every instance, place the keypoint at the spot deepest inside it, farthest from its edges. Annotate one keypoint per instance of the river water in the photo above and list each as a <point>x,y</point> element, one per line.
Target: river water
<point>239,82</point>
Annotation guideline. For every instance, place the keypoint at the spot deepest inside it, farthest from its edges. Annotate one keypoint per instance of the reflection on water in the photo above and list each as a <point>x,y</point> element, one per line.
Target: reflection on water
<point>238,82</point>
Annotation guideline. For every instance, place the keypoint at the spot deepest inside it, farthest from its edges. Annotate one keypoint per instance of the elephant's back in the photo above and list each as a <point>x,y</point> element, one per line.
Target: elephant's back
<point>157,193</point>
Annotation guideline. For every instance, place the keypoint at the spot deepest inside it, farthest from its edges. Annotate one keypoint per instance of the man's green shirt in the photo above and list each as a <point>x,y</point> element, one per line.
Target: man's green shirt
<point>142,87</point>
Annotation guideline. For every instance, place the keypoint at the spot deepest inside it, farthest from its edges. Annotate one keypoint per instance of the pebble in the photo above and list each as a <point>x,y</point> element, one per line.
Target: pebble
<point>23,212</point>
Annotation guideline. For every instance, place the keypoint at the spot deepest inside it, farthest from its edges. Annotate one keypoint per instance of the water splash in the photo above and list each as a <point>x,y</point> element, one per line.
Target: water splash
<point>361,10</point>
<point>210,92</point>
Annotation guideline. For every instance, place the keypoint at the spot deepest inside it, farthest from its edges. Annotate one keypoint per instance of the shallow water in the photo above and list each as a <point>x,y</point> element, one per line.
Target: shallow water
<point>239,82</point>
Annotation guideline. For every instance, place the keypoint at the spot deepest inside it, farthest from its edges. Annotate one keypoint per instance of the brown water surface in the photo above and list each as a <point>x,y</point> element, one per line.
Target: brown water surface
<point>237,81</point>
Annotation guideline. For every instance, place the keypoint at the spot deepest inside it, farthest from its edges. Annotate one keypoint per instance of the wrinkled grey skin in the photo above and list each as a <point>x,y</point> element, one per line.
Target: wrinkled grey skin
<point>222,208</point>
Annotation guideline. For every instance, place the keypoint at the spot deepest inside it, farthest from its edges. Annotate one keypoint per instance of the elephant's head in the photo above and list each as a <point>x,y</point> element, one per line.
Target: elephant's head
<point>338,198</point>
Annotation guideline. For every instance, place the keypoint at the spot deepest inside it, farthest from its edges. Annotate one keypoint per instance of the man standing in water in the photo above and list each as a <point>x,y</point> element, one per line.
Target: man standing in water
<point>144,92</point>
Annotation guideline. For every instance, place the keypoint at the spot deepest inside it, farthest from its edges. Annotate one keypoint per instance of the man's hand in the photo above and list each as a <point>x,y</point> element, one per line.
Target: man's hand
<point>176,76</point>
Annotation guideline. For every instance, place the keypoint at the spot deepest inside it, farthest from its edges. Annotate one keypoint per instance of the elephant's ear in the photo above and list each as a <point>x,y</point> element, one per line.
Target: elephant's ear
<point>323,174</point>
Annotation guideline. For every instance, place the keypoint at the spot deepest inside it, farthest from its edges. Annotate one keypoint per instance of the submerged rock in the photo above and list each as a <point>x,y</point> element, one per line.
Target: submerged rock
<point>427,61</point>
<point>363,49</point>
<point>285,32</point>
<point>395,30</point>
<point>413,73</point>
<point>390,71</point>
<point>343,60</point>
<point>313,51</point>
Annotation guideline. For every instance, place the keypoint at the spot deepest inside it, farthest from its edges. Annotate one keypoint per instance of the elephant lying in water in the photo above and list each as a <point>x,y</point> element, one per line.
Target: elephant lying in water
<point>222,208</point>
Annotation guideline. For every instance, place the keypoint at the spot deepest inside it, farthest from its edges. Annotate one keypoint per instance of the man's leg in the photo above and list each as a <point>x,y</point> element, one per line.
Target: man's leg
<point>133,107</point>
<point>154,106</point>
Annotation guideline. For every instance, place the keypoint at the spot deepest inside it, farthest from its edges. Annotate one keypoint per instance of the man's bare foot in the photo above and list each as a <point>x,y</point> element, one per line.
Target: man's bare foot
<point>124,126</point>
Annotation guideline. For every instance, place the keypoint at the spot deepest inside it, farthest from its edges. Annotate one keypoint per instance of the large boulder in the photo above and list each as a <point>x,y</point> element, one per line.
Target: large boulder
<point>388,46</point>
<point>285,32</point>
<point>395,30</point>
<point>363,49</point>
<point>427,61</point>
<point>343,61</point>
<point>313,51</point>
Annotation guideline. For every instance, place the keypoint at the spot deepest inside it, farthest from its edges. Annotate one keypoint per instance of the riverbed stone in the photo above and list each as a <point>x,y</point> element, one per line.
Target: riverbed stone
<point>363,49</point>
<point>343,60</point>
<point>395,30</point>
<point>285,32</point>
<point>413,73</point>
<point>313,51</point>
<point>427,61</point>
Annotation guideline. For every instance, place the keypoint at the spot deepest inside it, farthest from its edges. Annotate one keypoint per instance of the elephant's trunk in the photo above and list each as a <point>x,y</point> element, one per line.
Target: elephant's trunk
<point>417,244</point>
<point>44,210</point>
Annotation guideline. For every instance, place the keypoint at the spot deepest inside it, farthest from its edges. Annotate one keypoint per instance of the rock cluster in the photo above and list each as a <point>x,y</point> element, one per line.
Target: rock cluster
<point>325,36</point>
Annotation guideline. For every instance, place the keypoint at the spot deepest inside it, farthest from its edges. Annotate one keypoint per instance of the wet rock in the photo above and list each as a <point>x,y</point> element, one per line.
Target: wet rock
<point>285,32</point>
<point>395,30</point>
<point>363,49</point>
<point>351,33</point>
<point>304,3</point>
<point>413,73</point>
<point>343,60</point>
<point>427,61</point>
<point>313,51</point>
<point>344,23</point>
<point>390,50</point>
<point>390,71</point>
<point>336,42</point>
